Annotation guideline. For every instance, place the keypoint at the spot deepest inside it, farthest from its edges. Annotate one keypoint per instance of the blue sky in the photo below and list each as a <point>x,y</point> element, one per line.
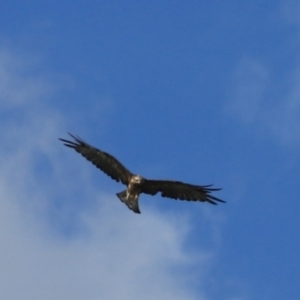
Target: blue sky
<point>195,91</point>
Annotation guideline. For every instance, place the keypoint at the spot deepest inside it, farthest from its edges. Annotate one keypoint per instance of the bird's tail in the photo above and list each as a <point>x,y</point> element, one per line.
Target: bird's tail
<point>131,202</point>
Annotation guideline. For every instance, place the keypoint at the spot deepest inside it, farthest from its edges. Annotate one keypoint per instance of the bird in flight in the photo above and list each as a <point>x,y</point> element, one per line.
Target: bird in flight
<point>137,184</point>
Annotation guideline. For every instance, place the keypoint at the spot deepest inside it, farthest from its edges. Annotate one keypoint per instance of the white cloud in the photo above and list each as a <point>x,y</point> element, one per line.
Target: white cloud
<point>250,81</point>
<point>120,258</point>
<point>115,254</point>
<point>19,86</point>
<point>284,119</point>
<point>271,107</point>
<point>290,11</point>
<point>253,101</point>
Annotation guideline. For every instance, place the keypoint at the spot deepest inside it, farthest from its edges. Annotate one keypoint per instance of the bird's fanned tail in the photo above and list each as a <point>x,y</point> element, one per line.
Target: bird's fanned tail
<point>132,204</point>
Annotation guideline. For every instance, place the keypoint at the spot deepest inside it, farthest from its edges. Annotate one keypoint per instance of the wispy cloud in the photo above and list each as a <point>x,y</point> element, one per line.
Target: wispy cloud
<point>114,255</point>
<point>290,11</point>
<point>254,102</point>
<point>250,81</point>
<point>19,85</point>
<point>266,97</point>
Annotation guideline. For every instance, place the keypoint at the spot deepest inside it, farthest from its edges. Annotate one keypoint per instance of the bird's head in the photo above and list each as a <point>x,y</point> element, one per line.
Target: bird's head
<point>137,179</point>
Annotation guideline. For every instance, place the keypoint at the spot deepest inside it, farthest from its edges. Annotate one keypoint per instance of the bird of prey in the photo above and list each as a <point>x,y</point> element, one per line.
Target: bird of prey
<point>137,184</point>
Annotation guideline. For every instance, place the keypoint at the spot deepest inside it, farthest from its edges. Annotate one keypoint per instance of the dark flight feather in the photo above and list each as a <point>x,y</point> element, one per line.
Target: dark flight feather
<point>102,160</point>
<point>180,190</point>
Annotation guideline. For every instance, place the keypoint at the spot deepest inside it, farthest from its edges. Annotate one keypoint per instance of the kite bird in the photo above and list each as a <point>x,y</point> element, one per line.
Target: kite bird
<point>136,184</point>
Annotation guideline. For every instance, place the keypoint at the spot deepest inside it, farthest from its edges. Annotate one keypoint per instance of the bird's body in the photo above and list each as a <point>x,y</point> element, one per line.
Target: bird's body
<point>131,196</point>
<point>136,184</point>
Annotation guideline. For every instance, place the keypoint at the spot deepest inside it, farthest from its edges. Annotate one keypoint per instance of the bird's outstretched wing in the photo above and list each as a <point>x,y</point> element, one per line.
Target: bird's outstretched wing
<point>180,190</point>
<point>102,160</point>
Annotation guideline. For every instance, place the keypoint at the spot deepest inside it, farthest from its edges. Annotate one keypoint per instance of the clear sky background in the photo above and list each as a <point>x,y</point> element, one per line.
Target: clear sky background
<point>198,91</point>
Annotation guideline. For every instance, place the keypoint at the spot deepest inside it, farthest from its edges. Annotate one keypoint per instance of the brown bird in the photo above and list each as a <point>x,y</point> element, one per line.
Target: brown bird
<point>136,184</point>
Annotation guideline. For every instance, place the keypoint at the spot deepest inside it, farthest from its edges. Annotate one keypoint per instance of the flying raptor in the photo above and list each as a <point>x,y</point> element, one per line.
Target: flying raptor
<point>136,184</point>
